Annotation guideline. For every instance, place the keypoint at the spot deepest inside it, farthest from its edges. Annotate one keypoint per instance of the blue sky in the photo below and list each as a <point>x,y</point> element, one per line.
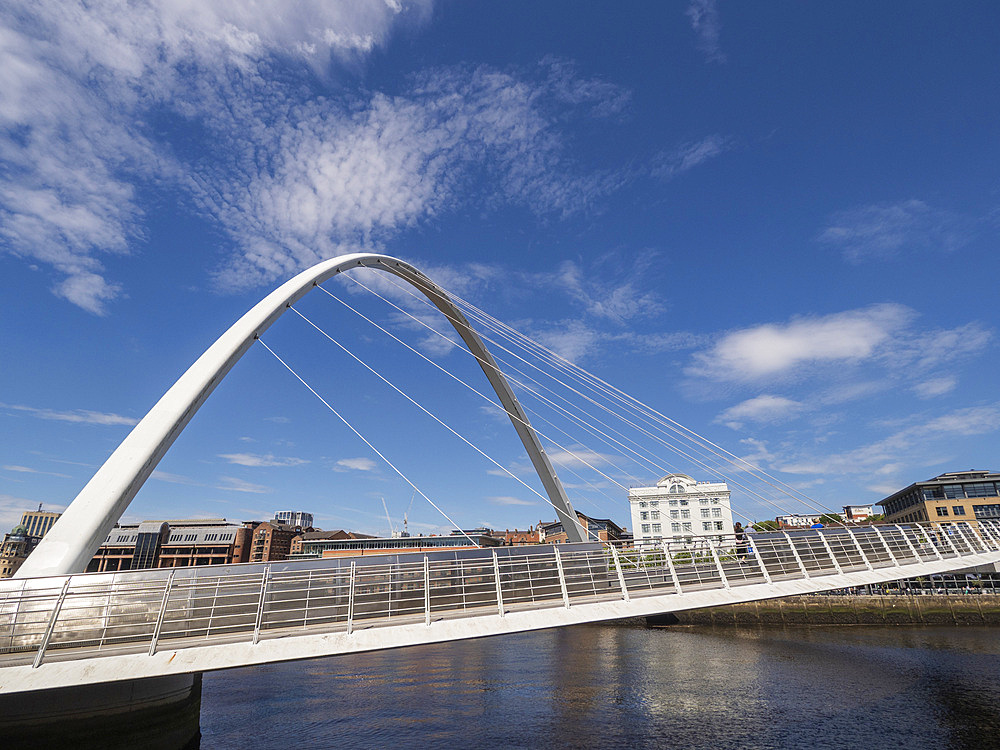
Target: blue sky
<point>775,223</point>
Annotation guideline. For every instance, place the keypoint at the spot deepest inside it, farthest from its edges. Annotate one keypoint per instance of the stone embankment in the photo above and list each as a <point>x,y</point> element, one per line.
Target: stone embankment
<point>845,610</point>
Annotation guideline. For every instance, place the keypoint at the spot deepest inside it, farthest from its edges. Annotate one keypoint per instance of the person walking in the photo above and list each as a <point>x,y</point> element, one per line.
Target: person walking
<point>741,541</point>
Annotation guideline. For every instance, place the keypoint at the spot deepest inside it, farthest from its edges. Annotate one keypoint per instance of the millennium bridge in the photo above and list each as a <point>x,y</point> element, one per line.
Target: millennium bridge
<point>60,627</point>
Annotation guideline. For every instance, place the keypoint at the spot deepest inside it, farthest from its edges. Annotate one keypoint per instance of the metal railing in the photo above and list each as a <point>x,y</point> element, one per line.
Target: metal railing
<point>96,614</point>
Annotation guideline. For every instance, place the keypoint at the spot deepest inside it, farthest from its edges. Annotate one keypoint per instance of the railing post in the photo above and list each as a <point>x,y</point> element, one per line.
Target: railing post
<point>265,579</point>
<point>916,555</point>
<point>562,575</point>
<point>350,600</point>
<point>427,591</point>
<point>795,554</point>
<point>861,552</point>
<point>621,574</point>
<point>829,551</point>
<point>673,570</point>
<point>52,625</point>
<point>760,558</point>
<point>496,576</point>
<point>163,611</point>
<point>718,565</point>
<point>886,545</point>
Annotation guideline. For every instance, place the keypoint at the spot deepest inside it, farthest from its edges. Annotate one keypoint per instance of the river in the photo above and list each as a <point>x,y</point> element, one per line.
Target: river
<point>621,686</point>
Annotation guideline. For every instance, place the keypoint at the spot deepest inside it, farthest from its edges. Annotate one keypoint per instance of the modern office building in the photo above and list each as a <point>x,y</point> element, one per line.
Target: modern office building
<point>23,538</point>
<point>798,520</point>
<point>678,507</point>
<point>603,529</point>
<point>169,544</point>
<point>294,518</point>
<point>947,498</point>
<point>38,522</point>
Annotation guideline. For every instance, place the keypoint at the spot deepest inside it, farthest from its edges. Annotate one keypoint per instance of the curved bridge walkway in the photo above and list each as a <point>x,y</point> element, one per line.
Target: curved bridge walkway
<point>101,627</point>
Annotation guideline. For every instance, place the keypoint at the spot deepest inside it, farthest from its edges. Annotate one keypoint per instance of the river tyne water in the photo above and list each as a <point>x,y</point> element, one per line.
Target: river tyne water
<point>620,686</point>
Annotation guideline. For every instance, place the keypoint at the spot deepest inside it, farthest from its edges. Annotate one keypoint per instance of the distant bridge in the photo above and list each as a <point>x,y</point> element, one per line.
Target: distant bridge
<point>104,627</point>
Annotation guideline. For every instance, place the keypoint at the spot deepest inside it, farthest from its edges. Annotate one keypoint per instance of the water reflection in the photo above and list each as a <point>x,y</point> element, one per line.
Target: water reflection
<point>608,686</point>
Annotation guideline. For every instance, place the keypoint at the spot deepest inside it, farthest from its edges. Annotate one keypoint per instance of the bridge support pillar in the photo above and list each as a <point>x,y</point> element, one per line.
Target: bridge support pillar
<point>159,713</point>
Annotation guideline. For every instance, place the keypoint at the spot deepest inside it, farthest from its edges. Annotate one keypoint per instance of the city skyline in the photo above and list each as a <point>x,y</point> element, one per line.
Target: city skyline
<point>773,224</point>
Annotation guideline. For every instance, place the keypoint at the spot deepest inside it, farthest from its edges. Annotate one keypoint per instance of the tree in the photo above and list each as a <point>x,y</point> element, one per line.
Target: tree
<point>831,519</point>
<point>765,526</point>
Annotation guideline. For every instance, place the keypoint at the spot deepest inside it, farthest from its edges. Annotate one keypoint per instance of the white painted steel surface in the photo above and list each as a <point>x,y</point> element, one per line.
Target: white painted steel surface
<point>101,627</point>
<point>71,543</point>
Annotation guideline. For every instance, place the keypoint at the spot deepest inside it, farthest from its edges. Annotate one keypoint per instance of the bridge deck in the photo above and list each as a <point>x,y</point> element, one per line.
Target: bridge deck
<point>91,628</point>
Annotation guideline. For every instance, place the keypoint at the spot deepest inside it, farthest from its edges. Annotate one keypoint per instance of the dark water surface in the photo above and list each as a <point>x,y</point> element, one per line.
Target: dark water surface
<point>628,687</point>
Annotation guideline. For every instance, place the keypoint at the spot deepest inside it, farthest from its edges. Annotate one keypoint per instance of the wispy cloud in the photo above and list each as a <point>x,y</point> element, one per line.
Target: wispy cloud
<point>917,443</point>
<point>235,484</point>
<point>11,509</point>
<point>84,416</point>
<point>355,464</point>
<point>508,500</point>
<point>704,17</point>
<point>936,386</point>
<point>267,460</point>
<point>29,470</point>
<point>689,155</point>
<point>883,230</point>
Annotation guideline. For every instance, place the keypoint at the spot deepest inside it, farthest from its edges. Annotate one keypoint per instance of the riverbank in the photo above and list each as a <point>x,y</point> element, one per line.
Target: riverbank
<point>845,610</point>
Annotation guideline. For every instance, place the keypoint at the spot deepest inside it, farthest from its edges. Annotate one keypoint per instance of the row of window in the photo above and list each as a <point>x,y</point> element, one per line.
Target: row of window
<point>958,510</point>
<point>675,503</point>
<point>677,528</point>
<point>959,491</point>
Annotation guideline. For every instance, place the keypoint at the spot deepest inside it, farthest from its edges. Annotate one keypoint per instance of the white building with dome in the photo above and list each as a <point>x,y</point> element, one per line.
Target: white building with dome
<point>679,508</point>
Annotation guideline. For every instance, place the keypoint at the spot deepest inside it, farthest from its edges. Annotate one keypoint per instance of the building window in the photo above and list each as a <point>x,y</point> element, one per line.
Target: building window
<point>654,503</point>
<point>675,528</point>
<point>645,528</point>
<point>706,525</point>
<point>718,525</point>
<point>705,513</point>
<point>675,514</point>
<point>656,528</point>
<point>687,526</point>
<point>644,515</point>
<point>654,515</point>
<point>673,503</point>
<point>642,503</point>
<point>684,503</point>
<point>703,501</point>
<point>716,512</point>
<point>686,514</point>
<point>941,512</point>
<point>958,510</point>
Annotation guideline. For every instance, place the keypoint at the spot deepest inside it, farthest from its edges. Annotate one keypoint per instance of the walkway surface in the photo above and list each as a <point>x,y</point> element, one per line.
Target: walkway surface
<point>102,627</point>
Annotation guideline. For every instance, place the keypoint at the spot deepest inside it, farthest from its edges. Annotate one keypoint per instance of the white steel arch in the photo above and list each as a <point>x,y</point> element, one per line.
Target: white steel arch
<point>71,543</point>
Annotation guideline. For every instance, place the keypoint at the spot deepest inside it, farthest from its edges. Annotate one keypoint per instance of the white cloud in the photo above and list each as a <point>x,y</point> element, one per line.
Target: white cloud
<point>773,350</point>
<point>883,230</point>
<point>84,416</point>
<point>11,509</point>
<point>704,17</point>
<point>355,464</point>
<point>764,409</point>
<point>253,459</point>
